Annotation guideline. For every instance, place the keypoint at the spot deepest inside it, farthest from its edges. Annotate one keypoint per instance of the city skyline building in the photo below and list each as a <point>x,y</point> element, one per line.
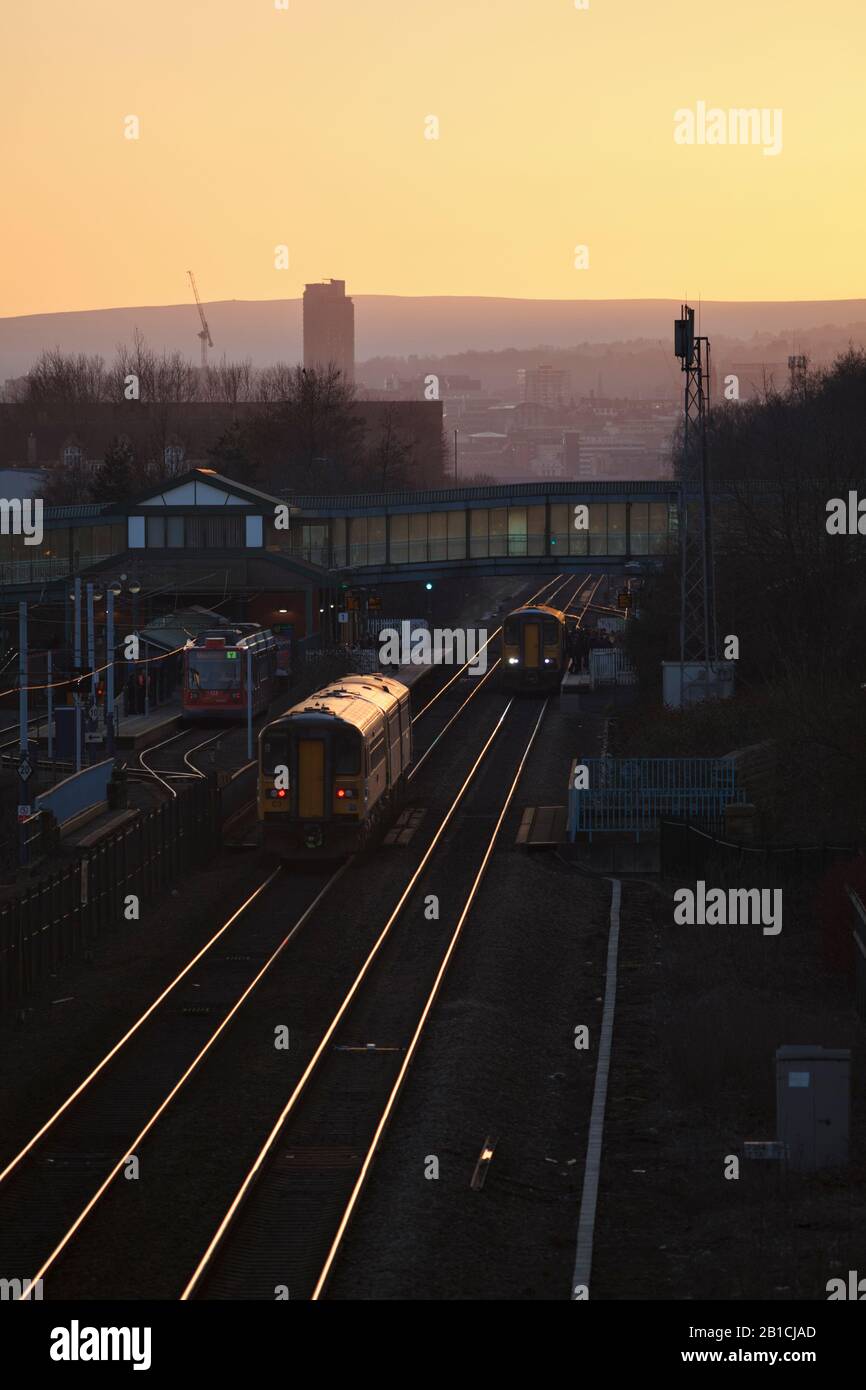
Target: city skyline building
<point>329,327</point>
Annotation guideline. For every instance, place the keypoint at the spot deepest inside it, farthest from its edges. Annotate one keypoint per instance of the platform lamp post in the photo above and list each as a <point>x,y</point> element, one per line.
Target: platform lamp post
<point>76,663</point>
<point>114,591</point>
<point>249,704</point>
<point>95,595</point>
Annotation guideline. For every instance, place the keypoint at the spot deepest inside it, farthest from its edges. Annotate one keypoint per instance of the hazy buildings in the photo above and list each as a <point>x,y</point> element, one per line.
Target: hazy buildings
<point>329,327</point>
<point>543,385</point>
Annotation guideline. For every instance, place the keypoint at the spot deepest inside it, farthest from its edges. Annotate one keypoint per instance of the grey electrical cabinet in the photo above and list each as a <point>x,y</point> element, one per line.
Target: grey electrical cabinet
<point>813,1103</point>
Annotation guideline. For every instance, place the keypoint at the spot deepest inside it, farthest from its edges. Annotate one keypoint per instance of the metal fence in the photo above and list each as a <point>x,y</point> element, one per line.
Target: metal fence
<point>610,666</point>
<point>62,914</point>
<point>633,794</point>
<point>690,850</point>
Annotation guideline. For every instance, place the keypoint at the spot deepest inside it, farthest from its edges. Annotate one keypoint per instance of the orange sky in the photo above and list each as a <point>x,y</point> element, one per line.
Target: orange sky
<point>305,127</point>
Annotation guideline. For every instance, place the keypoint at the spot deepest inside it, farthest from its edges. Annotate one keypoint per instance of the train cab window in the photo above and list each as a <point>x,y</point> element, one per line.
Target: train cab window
<point>511,627</point>
<point>347,755</point>
<point>551,631</point>
<point>275,752</point>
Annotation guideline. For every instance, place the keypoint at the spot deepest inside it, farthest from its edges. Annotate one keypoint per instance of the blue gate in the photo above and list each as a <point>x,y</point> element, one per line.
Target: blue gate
<point>632,794</point>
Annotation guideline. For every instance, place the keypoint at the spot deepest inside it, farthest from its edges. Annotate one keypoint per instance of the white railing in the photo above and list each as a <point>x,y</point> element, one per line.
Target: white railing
<point>42,567</point>
<point>610,666</point>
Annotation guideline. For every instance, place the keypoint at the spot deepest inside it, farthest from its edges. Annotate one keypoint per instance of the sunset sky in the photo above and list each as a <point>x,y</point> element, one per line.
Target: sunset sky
<point>305,126</point>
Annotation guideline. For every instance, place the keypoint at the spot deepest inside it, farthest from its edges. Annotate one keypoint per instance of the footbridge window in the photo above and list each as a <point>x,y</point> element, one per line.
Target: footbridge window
<point>651,530</point>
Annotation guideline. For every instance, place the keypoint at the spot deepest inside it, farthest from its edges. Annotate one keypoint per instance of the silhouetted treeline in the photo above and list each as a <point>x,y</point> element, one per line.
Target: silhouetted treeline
<point>283,428</point>
<point>793,593</point>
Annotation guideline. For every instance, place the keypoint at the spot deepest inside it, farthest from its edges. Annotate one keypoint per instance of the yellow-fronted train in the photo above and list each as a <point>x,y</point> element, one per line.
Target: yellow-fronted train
<point>333,769</point>
<point>534,648</point>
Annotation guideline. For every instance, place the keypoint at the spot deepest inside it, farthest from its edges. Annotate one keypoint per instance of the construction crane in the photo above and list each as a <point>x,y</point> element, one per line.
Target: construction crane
<point>204,336</point>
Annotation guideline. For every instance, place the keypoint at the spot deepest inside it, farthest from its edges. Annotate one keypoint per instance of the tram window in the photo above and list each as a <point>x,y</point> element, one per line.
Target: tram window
<point>377,750</point>
<point>213,671</point>
<point>347,755</point>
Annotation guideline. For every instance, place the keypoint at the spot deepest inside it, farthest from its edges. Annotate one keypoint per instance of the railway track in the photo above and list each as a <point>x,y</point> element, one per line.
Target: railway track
<point>47,1192</point>
<point>285,1225</point>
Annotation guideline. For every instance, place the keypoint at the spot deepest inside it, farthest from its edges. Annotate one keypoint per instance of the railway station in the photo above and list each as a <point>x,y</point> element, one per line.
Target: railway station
<point>373,807</point>
<point>433,768</point>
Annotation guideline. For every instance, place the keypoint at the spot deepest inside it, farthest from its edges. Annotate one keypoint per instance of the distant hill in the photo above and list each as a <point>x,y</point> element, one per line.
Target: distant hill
<point>391,326</point>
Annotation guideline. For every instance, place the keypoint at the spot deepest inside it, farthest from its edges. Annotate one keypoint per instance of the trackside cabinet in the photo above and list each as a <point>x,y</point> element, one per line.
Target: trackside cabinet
<point>813,1103</point>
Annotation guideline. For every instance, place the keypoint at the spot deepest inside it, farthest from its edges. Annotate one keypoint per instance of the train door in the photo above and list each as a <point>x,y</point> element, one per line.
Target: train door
<point>311,778</point>
<point>532,645</point>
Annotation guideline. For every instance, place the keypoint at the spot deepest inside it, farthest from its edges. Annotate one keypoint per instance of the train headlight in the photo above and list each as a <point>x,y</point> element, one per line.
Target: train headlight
<point>514,661</point>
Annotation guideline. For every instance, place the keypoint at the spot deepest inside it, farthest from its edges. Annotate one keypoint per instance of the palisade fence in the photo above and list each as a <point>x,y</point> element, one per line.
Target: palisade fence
<point>64,913</point>
<point>635,794</point>
<point>692,852</point>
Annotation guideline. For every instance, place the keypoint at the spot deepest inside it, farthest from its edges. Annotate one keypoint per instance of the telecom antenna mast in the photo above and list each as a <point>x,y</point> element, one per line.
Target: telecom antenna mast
<point>204,335</point>
<point>698,640</point>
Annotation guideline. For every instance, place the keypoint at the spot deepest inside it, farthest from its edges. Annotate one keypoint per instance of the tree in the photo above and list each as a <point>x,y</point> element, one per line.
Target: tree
<point>311,439</point>
<point>115,478</point>
<point>389,461</point>
<point>231,454</point>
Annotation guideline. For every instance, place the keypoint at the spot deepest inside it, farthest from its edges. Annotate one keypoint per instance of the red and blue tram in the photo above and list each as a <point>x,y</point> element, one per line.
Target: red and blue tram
<point>215,672</point>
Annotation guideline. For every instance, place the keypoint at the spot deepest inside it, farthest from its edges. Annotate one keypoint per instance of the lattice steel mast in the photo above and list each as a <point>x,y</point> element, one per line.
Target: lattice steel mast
<point>698,639</point>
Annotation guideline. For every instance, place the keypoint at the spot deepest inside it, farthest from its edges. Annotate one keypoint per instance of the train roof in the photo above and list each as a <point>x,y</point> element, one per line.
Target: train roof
<point>539,608</point>
<point>245,636</point>
<point>355,700</point>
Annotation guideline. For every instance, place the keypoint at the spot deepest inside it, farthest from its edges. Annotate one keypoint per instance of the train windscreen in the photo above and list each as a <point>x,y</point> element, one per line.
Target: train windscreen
<point>275,752</point>
<point>347,754</point>
<point>214,670</point>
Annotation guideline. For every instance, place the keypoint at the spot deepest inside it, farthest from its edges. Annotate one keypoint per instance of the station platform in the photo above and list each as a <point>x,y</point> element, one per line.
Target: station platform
<point>105,823</point>
<point>409,675</point>
<point>142,730</point>
<point>575,685</point>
